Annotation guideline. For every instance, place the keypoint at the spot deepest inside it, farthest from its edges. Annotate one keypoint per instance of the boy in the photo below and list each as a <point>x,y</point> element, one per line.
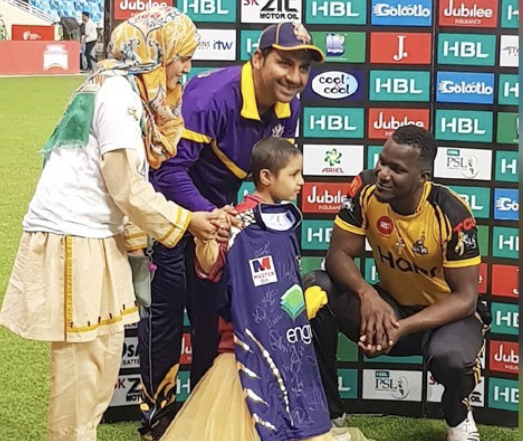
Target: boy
<point>269,389</point>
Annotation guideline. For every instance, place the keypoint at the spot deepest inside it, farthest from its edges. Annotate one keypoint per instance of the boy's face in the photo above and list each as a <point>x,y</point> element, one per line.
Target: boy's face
<point>286,185</point>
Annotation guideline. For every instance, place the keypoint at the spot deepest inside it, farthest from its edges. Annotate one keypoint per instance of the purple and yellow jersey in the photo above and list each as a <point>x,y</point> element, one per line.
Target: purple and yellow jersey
<point>222,124</point>
<point>272,335</point>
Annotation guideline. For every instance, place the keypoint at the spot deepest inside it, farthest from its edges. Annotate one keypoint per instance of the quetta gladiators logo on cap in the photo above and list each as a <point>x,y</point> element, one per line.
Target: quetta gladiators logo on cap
<point>301,33</point>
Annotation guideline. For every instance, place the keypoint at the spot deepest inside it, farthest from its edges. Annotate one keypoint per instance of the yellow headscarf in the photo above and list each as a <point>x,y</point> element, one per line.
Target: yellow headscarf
<point>143,46</point>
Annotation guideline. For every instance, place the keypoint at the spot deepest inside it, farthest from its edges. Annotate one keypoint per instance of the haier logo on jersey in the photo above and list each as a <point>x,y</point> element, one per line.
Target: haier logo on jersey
<point>382,122</point>
<point>343,12</point>
<point>223,11</point>
<point>124,9</point>
<point>467,49</point>
<point>263,271</point>
<point>323,197</point>
<point>504,356</point>
<point>321,122</point>
<point>510,14</point>
<point>509,51</point>
<point>457,163</point>
<point>464,125</point>
<point>270,11</point>
<point>503,394</point>
<point>463,87</point>
<point>505,318</point>
<point>216,44</point>
<point>402,12</point>
<point>468,13</point>
<point>334,85</point>
<point>508,92</point>
<point>400,48</point>
<point>399,85</point>
<point>505,281</point>
<point>506,205</point>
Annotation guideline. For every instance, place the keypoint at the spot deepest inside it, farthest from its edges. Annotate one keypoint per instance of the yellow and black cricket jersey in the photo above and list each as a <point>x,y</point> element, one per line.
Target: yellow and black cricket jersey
<point>411,251</point>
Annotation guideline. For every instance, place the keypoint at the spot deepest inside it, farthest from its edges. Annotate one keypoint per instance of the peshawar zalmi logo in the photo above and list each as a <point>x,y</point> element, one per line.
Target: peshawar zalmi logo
<point>301,33</point>
<point>419,246</point>
<point>292,301</point>
<point>277,131</point>
<point>332,157</point>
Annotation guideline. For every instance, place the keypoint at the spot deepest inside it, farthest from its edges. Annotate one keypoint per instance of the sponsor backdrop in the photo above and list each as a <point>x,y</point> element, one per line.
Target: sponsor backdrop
<point>446,65</point>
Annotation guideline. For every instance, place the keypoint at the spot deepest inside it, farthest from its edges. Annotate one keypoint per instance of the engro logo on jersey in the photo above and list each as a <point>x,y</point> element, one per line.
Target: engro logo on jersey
<point>382,122</point>
<point>463,87</point>
<point>402,12</point>
<point>468,13</point>
<point>400,48</point>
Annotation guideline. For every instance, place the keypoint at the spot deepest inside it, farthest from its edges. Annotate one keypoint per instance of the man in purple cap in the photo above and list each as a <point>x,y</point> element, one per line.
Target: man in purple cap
<point>226,112</point>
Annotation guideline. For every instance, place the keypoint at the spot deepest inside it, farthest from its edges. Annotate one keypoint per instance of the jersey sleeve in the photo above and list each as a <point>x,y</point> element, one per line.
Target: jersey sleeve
<point>291,124</point>
<point>352,216</point>
<point>459,233</point>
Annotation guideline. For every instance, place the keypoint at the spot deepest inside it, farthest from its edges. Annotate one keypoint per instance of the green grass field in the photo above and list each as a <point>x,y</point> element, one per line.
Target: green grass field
<point>29,109</point>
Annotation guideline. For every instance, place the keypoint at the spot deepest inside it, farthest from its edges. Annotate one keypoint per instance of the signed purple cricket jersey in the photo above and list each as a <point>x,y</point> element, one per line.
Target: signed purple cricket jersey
<point>273,338</point>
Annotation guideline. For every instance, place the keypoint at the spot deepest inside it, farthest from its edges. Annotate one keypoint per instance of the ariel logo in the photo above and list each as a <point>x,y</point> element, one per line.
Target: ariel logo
<point>292,301</point>
<point>332,157</point>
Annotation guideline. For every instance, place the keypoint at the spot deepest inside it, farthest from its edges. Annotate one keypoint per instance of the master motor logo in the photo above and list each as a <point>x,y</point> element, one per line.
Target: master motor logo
<point>402,12</point>
<point>270,11</point>
<point>468,13</point>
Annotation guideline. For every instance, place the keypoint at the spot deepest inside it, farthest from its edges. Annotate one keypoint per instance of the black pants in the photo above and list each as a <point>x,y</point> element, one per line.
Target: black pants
<point>451,352</point>
<point>88,50</point>
<point>175,287</point>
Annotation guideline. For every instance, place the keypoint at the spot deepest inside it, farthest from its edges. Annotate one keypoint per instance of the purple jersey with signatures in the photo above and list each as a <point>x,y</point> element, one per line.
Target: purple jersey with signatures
<point>273,338</point>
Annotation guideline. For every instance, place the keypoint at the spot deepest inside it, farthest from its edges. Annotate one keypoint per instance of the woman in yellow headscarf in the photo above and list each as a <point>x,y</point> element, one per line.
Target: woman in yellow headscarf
<point>71,283</point>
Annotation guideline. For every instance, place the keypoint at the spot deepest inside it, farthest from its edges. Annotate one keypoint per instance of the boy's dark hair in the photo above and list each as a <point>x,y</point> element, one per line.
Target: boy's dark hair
<point>272,154</point>
<point>415,136</point>
<point>87,14</point>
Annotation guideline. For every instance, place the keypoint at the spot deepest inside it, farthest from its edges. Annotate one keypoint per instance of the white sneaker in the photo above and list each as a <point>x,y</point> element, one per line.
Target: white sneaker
<point>465,431</point>
<point>339,429</point>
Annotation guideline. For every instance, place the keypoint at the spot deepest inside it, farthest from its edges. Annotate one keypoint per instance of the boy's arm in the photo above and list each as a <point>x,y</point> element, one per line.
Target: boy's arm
<point>210,259</point>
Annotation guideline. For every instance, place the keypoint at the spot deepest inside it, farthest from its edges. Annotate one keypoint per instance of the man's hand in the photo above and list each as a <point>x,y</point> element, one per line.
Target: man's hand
<point>140,252</point>
<point>396,333</point>
<point>203,225</point>
<point>378,320</point>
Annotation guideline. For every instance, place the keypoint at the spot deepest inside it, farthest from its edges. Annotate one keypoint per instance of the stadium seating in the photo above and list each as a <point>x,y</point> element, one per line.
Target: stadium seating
<point>71,8</point>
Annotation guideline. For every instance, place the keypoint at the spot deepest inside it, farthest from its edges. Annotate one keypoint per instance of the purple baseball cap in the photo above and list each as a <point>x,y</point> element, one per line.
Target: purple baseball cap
<point>290,36</point>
